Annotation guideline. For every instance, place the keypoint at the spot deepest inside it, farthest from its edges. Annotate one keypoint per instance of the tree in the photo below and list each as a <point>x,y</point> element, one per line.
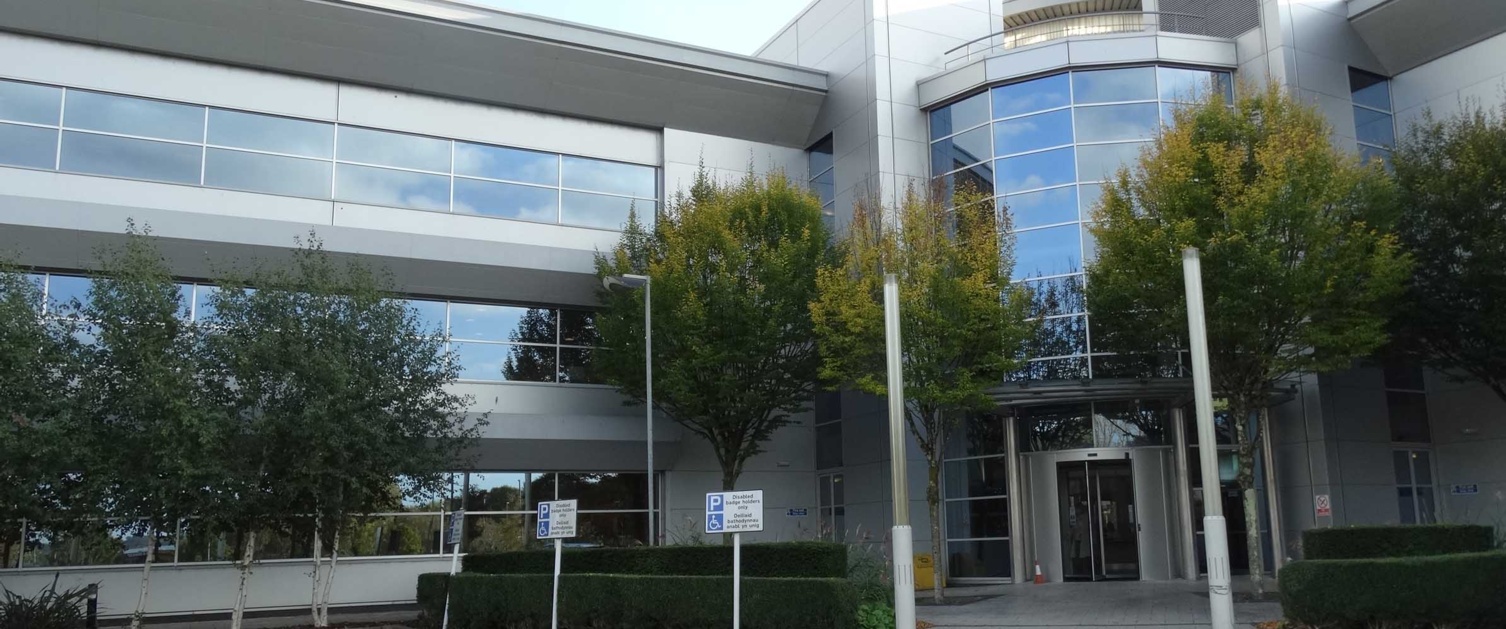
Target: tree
<point>1297,265</point>
<point>340,392</point>
<point>963,326</point>
<point>733,268</point>
<point>1452,178</point>
<point>155,440</point>
<point>38,377</point>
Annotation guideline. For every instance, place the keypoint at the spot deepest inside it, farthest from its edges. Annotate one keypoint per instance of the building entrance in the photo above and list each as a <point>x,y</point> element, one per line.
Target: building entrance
<point>1099,526</point>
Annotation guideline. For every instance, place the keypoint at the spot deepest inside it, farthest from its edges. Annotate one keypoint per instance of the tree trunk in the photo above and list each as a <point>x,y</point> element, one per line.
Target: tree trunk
<point>314,593</point>
<point>329,579</point>
<point>933,505</point>
<point>1246,438</point>
<point>240,593</point>
<point>146,577</point>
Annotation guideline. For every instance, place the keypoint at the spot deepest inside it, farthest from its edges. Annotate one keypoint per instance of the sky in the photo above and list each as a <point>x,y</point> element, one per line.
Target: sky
<point>739,26</point>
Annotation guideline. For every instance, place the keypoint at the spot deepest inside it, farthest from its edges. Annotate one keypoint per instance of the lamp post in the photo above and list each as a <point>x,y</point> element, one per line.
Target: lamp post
<point>902,536</point>
<point>629,282</point>
<point>1215,540</point>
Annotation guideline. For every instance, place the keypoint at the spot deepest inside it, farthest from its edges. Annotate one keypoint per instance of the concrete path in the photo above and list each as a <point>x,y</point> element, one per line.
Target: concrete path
<point>1103,604</point>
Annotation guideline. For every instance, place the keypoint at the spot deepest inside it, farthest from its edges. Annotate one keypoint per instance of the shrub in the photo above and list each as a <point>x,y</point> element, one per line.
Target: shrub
<point>783,559</point>
<point>49,609</point>
<point>1458,588</point>
<point>1363,542</point>
<point>875,616</point>
<point>488,601</point>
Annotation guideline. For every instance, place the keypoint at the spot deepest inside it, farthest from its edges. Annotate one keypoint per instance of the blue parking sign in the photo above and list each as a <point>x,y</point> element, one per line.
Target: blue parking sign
<point>715,503</point>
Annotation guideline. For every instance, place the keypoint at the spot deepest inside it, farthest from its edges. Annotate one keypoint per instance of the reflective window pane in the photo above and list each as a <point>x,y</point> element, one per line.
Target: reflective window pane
<point>1057,296</point>
<point>1406,505</point>
<point>977,518</point>
<point>1036,170</point>
<point>1053,369</point>
<point>1408,413</point>
<point>28,147</point>
<point>1110,86</point>
<point>1128,424</point>
<point>820,156</point>
<point>498,533</point>
<point>979,179</point>
<point>1426,512</point>
<point>1371,154</point>
<point>829,445</point>
<point>1031,96</point>
<point>1370,90</point>
<point>964,114</point>
<point>825,186</point>
<point>486,322</point>
<point>389,536</point>
<point>972,478</point>
<point>1060,336</point>
<point>1102,161</point>
<point>576,368</point>
<point>1422,467</point>
<point>613,491</point>
<point>502,362</point>
<point>396,188</point>
<point>495,162</point>
<point>1043,207</point>
<point>386,148</point>
<point>1056,427</point>
<point>430,315</point>
<point>24,102</point>
<point>203,308</point>
<point>615,177</point>
<point>1088,196</point>
<point>611,530</point>
<point>506,200</point>
<point>1048,251</point>
<point>981,559</point>
<point>1374,127</point>
<point>498,491</point>
<point>977,435</point>
<point>126,157</point>
<point>1106,123</point>
<point>63,289</point>
<point>272,174</point>
<point>134,116</point>
<point>1401,463</point>
<point>1188,86</point>
<point>963,149</point>
<point>271,133</point>
<point>577,327</point>
<point>605,212</point>
<point>1031,133</point>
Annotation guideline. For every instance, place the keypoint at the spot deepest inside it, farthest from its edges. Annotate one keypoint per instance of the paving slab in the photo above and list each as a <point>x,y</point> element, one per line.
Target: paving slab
<point>1084,605</point>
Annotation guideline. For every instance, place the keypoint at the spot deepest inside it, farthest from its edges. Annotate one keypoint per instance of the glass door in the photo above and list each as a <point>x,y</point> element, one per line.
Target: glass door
<point>1100,532</point>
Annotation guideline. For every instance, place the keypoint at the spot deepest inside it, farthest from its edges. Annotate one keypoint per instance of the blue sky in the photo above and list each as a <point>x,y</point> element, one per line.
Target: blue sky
<point>734,25</point>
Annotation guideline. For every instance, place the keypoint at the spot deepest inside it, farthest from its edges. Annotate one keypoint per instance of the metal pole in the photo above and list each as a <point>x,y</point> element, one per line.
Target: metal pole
<point>554,609</point>
<point>454,567</point>
<point>737,580</point>
<point>1184,491</point>
<point>1215,531</point>
<point>904,541</point>
<point>1273,499</point>
<point>648,366</point>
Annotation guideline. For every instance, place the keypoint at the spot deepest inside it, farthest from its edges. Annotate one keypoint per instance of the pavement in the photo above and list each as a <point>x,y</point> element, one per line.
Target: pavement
<point>1088,605</point>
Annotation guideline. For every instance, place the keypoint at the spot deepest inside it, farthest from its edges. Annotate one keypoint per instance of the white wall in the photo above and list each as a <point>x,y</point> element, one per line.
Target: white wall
<point>211,587</point>
<point>1471,75</point>
<point>725,159</point>
<point>1469,441</point>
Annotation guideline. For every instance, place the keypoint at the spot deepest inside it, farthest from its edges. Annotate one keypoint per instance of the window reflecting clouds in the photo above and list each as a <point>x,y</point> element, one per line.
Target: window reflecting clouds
<point>1187,85</point>
<point>963,149</point>
<point>1043,207</point>
<point>1048,251</point>
<point>1102,161</point>
<point>133,116</point>
<point>1107,123</point>
<point>606,212</point>
<point>112,156</point>
<point>959,116</point>
<point>270,133</point>
<point>26,102</point>
<point>1029,133</point>
<point>386,148</point>
<point>495,162</point>
<point>273,174</point>
<point>506,200</point>
<point>29,147</point>
<point>1037,95</point>
<point>597,175</point>
<point>397,188</point>
<point>1111,86</point>
<point>1036,170</point>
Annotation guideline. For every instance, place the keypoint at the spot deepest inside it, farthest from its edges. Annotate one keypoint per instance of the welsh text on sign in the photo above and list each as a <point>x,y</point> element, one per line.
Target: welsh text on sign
<point>734,511</point>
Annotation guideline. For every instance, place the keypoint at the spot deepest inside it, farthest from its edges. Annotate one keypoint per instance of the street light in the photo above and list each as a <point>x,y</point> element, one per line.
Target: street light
<point>629,282</point>
<point>1215,542</point>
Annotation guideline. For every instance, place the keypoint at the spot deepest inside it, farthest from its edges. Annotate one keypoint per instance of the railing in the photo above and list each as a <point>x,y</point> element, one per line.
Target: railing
<point>1075,25</point>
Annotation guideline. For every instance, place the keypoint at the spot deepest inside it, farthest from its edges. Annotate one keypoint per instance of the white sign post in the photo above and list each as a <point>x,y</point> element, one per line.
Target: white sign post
<point>452,536</point>
<point>556,522</point>
<point>734,512</point>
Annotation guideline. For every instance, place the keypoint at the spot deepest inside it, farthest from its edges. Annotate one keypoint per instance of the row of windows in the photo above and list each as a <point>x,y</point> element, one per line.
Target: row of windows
<point>79,131</point>
<point>499,505</point>
<point>492,342</point>
<point>1043,148</point>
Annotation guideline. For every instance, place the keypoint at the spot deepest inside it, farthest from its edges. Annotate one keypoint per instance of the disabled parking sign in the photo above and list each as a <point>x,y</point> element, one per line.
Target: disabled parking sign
<point>734,511</point>
<point>556,519</point>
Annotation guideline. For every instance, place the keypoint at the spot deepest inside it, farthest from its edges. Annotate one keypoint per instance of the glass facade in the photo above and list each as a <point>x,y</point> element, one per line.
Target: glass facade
<point>493,342</point>
<point>1374,126</point>
<point>93,133</point>
<point>1042,149</point>
<point>821,165</point>
<point>975,496</point>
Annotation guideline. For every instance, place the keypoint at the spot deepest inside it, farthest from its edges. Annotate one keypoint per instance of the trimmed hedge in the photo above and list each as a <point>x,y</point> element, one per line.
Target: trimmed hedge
<point>1367,542</point>
<point>1458,588</point>
<point>781,559</point>
<point>491,601</point>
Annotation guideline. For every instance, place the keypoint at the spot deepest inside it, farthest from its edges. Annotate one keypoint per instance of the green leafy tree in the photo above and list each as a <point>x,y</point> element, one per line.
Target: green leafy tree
<point>155,439</point>
<point>1452,178</point>
<point>1297,265</point>
<point>38,378</point>
<point>962,325</point>
<point>340,392</point>
<point>733,268</point>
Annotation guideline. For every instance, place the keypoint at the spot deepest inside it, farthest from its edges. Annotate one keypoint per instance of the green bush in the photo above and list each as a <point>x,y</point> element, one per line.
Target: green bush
<point>1459,588</point>
<point>1365,542</point>
<point>49,609</point>
<point>489,601</point>
<point>875,616</point>
<point>783,559</point>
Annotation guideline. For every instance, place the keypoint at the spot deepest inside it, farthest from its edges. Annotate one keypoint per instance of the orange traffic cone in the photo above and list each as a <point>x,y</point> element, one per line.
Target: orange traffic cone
<point>1039,578</point>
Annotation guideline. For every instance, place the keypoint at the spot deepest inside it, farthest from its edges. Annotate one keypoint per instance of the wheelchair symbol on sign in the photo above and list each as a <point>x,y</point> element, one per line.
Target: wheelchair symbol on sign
<point>714,522</point>
<point>543,528</point>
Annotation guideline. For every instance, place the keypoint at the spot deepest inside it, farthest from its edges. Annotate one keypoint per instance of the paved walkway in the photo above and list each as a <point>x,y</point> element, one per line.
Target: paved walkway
<point>1103,604</point>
